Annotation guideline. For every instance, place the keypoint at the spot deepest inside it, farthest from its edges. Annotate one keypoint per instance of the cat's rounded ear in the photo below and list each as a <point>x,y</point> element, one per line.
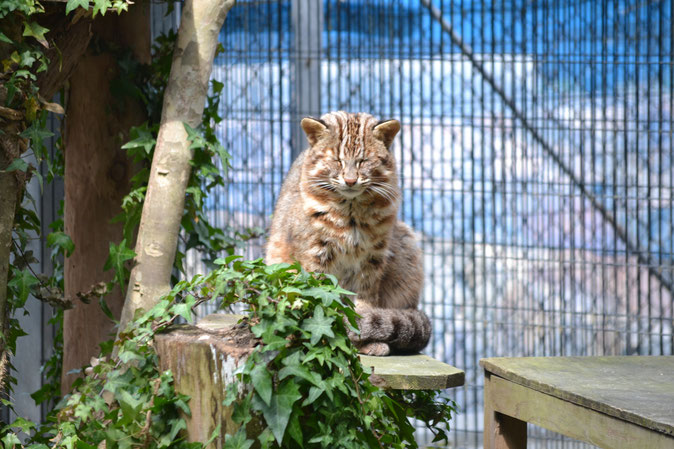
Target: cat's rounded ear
<point>314,129</point>
<point>386,130</point>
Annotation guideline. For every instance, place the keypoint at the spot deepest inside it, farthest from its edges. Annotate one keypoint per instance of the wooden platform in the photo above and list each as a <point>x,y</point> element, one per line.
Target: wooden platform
<point>414,372</point>
<point>613,402</point>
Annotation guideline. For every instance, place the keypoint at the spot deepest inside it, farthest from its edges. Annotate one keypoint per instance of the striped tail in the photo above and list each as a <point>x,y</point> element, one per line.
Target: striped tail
<point>383,331</point>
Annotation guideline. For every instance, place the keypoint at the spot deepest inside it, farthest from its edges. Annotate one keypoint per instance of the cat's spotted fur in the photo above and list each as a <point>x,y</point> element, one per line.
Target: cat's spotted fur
<point>337,214</point>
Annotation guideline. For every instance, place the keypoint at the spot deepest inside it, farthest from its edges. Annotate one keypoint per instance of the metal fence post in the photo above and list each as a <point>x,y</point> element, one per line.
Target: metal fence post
<point>307,25</point>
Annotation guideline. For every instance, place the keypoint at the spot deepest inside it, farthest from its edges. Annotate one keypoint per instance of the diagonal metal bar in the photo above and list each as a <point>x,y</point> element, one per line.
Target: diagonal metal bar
<point>468,53</point>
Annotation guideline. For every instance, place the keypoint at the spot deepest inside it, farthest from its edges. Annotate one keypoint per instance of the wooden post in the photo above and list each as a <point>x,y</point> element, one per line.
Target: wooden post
<point>97,177</point>
<point>501,431</point>
<point>203,361</point>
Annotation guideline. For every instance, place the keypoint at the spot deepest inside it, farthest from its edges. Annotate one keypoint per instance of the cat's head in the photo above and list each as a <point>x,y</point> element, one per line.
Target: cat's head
<point>350,156</point>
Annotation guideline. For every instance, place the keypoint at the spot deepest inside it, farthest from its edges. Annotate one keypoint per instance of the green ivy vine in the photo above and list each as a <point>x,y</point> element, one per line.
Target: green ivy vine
<point>23,42</point>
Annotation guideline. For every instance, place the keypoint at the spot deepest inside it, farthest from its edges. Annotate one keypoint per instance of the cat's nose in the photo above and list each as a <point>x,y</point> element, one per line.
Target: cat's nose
<point>350,181</point>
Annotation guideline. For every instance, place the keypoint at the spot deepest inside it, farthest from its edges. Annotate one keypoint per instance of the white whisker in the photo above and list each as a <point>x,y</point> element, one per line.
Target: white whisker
<point>386,191</point>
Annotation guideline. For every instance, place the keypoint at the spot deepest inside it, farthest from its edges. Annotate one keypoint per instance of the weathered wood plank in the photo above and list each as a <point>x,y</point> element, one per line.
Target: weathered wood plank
<point>414,372</point>
<point>575,421</point>
<point>501,431</point>
<point>638,389</point>
<point>217,321</point>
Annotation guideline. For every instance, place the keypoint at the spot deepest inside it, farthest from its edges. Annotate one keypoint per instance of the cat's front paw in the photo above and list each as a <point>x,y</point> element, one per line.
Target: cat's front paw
<point>377,348</point>
<point>362,306</point>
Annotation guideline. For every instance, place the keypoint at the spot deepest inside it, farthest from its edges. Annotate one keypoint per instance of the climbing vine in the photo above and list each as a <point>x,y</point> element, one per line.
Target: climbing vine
<point>23,114</point>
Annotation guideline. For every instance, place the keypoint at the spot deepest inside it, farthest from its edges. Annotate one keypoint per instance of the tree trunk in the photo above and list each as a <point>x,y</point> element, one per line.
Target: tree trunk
<point>96,179</point>
<point>11,124</point>
<point>10,191</point>
<point>183,103</point>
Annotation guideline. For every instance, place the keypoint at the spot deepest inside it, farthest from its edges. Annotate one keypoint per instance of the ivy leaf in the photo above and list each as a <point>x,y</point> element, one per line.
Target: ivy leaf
<point>238,440</point>
<point>23,424</point>
<point>184,309</point>
<point>295,429</point>
<point>262,382</point>
<point>33,29</point>
<point>36,134</point>
<point>17,164</point>
<point>241,414</point>
<point>214,435</point>
<point>74,4</point>
<point>194,137</point>
<point>130,406</point>
<point>277,413</point>
<point>119,254</point>
<point>314,393</point>
<point>224,155</point>
<point>22,281</point>
<point>106,310</point>
<point>99,7</point>
<point>11,440</point>
<point>217,85</point>
<point>4,38</point>
<point>301,372</point>
<point>61,240</point>
<point>144,139</point>
<point>326,297</point>
<point>318,325</point>
<point>196,193</point>
<point>79,445</point>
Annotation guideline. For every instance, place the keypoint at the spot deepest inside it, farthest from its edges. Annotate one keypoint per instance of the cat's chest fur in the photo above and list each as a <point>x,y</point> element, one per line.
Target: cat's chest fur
<point>351,233</point>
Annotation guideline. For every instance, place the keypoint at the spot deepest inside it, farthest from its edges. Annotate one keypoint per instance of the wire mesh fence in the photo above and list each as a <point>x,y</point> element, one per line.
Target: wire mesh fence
<point>535,159</point>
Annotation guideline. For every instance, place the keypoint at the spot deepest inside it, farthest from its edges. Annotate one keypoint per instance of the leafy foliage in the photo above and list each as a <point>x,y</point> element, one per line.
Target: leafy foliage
<point>98,6</point>
<point>306,383</point>
<point>22,40</point>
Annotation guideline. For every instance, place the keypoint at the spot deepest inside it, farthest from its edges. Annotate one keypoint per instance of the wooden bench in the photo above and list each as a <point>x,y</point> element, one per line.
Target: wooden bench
<point>203,363</point>
<point>611,402</point>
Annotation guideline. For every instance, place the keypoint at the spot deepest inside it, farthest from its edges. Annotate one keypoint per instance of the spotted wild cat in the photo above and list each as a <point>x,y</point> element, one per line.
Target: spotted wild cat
<point>337,214</point>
